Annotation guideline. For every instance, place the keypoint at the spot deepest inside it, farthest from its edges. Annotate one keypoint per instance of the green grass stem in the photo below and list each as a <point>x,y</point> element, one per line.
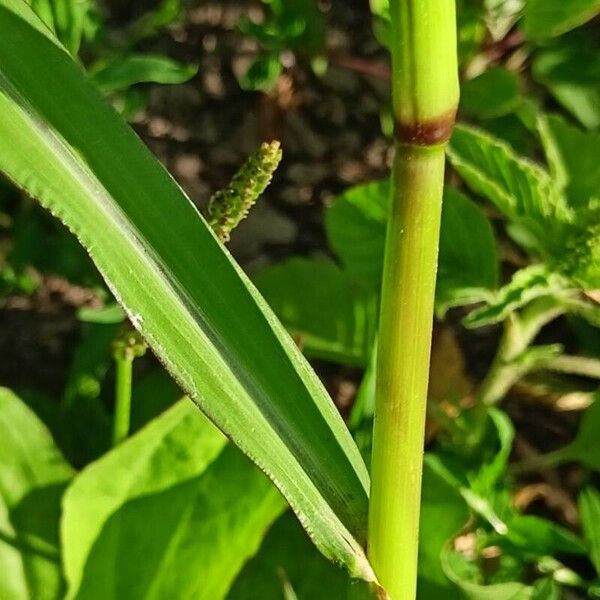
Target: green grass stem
<point>425,95</point>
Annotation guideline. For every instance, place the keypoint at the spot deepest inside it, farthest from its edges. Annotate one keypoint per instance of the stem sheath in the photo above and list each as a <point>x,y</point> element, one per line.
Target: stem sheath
<point>425,96</point>
<point>403,368</point>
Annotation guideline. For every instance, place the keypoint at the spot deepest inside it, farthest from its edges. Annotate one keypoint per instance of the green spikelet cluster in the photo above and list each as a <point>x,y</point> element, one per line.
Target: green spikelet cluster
<point>129,345</point>
<point>231,205</point>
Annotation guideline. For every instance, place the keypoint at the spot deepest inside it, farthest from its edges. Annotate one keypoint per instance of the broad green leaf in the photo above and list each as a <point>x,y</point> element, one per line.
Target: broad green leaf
<point>589,511</point>
<point>539,537</point>
<point>332,315</point>
<point>33,476</point>
<point>287,556</point>
<point>526,285</point>
<point>570,69</point>
<point>468,261</point>
<point>573,156</point>
<point>174,511</point>
<point>355,226</point>
<point>469,265</point>
<point>521,190</point>
<point>492,94</point>
<point>443,514</point>
<point>180,288</point>
<point>121,72</point>
<point>549,18</point>
<point>467,577</point>
<point>546,589</point>
<point>262,74</point>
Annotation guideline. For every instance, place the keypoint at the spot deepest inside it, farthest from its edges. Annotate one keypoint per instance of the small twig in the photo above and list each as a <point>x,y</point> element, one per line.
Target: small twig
<point>126,349</point>
<point>554,496</point>
<point>519,331</point>
<point>363,66</point>
<point>543,462</point>
<point>573,365</point>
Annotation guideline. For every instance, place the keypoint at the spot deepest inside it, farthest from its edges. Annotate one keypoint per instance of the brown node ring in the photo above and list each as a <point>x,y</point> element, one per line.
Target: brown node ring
<point>426,133</point>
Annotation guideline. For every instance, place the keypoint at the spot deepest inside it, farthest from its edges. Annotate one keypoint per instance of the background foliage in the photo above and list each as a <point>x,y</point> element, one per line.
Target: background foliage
<point>511,507</point>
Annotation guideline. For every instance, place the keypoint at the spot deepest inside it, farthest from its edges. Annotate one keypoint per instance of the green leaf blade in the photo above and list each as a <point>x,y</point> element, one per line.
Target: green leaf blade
<point>122,72</point>
<point>548,18</point>
<point>33,475</point>
<point>209,508</point>
<point>494,93</point>
<point>569,69</point>
<point>355,226</point>
<point>573,155</point>
<point>332,314</point>
<point>286,556</point>
<point>193,304</point>
<point>522,190</point>
<point>468,261</point>
<point>469,266</point>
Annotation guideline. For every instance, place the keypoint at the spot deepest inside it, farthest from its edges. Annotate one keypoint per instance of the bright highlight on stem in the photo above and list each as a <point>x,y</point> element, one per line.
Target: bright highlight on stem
<point>425,95</point>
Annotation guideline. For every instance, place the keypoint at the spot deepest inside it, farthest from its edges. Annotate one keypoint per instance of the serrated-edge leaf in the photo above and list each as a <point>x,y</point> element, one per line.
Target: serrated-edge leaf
<point>194,305</point>
<point>573,157</point>
<point>526,285</point>
<point>522,190</point>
